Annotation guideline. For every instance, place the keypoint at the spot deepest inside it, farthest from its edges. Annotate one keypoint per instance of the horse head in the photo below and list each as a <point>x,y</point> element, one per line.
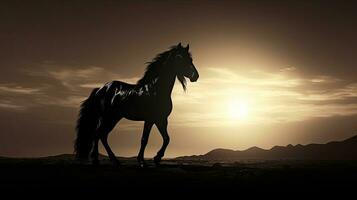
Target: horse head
<point>184,66</point>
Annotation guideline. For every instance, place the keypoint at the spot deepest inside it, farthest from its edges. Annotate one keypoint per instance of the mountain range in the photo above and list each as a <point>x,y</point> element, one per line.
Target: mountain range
<point>337,150</point>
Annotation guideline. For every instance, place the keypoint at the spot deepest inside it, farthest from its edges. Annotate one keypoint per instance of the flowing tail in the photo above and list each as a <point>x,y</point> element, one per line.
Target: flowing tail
<point>86,125</point>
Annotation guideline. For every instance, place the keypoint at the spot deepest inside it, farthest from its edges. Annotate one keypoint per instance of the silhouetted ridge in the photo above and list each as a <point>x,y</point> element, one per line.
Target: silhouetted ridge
<point>336,150</point>
<point>351,139</point>
<point>219,152</point>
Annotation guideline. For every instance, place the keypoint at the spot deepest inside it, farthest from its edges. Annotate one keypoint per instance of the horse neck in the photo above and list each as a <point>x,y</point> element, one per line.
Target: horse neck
<point>165,84</point>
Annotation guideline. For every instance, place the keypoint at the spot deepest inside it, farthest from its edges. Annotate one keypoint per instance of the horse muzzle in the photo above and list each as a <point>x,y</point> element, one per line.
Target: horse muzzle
<point>194,77</point>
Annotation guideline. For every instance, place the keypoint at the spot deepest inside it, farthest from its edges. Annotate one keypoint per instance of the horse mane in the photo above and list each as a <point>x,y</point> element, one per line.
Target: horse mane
<point>153,68</point>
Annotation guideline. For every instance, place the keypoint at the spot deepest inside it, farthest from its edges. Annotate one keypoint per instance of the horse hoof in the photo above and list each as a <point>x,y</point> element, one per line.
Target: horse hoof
<point>142,163</point>
<point>157,160</point>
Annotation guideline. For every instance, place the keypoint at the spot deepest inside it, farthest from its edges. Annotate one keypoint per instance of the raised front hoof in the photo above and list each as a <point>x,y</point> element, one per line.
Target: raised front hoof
<point>157,160</point>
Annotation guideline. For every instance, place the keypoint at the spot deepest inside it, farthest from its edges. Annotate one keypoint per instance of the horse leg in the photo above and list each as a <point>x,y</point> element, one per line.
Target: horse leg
<point>95,152</point>
<point>104,131</point>
<point>144,141</point>
<point>111,155</point>
<point>162,126</point>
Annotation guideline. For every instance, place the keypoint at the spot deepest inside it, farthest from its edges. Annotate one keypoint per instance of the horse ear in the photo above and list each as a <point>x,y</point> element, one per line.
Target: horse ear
<point>187,47</point>
<point>179,45</point>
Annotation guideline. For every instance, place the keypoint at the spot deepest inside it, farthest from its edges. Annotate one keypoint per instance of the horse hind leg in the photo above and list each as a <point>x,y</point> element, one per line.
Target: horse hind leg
<point>95,151</point>
<point>103,131</point>
<point>111,155</point>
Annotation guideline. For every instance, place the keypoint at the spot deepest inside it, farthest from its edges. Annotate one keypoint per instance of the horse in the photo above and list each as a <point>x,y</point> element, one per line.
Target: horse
<point>148,100</point>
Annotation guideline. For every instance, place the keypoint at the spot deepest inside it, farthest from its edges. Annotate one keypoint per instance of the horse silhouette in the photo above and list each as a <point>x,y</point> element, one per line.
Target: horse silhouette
<point>149,100</point>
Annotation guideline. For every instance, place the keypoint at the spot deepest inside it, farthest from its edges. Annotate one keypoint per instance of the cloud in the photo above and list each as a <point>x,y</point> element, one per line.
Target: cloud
<point>66,85</point>
<point>271,96</point>
<point>324,79</point>
<point>5,104</point>
<point>13,88</point>
<point>70,101</point>
<point>132,80</point>
<point>72,77</point>
<point>17,97</point>
<point>278,102</point>
<point>287,69</point>
<point>91,85</point>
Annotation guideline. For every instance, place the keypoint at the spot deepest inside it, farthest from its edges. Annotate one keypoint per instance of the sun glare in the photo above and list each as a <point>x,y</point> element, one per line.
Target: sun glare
<point>238,110</point>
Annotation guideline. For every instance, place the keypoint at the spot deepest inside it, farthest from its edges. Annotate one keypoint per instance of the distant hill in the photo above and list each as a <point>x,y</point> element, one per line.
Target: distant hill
<point>341,150</point>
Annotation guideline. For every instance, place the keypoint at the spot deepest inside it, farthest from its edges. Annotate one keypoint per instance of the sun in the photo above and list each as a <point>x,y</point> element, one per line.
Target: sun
<point>238,109</point>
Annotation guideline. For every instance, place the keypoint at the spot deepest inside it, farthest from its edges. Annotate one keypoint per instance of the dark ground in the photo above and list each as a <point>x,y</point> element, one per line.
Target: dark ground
<point>61,174</point>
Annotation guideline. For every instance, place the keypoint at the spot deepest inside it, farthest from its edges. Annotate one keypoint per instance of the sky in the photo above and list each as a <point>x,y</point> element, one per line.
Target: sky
<point>271,72</point>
